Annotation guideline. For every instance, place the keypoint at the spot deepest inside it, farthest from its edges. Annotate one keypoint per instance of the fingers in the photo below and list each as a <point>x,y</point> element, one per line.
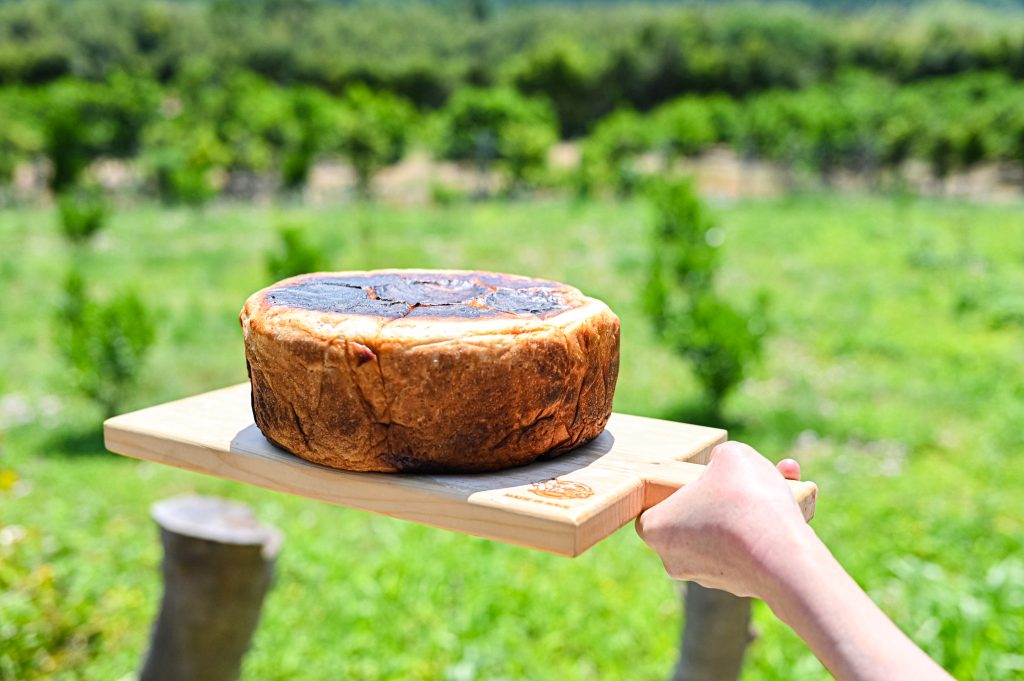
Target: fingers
<point>735,464</point>
<point>640,526</point>
<point>645,526</point>
<point>789,468</point>
<point>656,518</point>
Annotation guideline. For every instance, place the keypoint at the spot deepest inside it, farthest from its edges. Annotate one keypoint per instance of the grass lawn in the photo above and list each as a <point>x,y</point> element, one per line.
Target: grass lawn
<point>894,372</point>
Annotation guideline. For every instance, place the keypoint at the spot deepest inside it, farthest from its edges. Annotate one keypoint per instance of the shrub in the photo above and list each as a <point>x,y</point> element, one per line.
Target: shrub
<point>682,260</point>
<point>686,126</point>
<point>20,137</point>
<point>181,158</point>
<point>80,121</point>
<point>104,343</point>
<point>244,115</point>
<point>524,150</point>
<point>561,73</point>
<point>425,83</point>
<point>293,254</point>
<point>720,341</point>
<point>372,133</point>
<point>498,125</point>
<point>475,120</point>
<point>252,120</point>
<point>83,213</point>
<point>69,137</point>
<point>231,123</point>
<point>314,115</point>
<point>898,135</point>
<point>610,153</point>
<point>189,184</point>
<point>771,128</point>
<point>442,194</point>
<point>47,624</point>
<point>1015,139</point>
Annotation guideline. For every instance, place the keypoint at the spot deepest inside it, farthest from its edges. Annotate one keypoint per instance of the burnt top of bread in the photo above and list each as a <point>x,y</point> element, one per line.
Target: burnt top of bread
<point>395,295</point>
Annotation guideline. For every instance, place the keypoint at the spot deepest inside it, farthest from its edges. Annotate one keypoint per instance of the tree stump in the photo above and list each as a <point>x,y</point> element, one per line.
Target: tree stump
<point>715,635</point>
<point>218,565</point>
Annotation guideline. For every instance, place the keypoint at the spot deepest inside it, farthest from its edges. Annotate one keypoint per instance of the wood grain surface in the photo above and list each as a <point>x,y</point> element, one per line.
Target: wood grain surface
<point>563,506</point>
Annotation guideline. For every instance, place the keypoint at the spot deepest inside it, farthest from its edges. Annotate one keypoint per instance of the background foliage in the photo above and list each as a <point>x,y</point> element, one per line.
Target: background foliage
<point>213,95</point>
<point>888,361</point>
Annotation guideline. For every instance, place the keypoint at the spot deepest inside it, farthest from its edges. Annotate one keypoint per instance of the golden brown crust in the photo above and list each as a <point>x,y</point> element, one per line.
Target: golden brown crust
<point>374,393</point>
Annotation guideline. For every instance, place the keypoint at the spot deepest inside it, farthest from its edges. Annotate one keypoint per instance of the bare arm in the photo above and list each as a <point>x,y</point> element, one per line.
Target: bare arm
<point>738,529</point>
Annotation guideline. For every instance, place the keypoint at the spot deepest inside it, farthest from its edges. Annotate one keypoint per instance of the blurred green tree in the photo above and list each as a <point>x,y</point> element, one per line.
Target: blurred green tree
<point>562,73</point>
<point>104,343</point>
<point>490,125</point>
<point>181,158</point>
<point>720,341</point>
<point>315,117</point>
<point>373,131</point>
<point>20,137</point>
<point>82,121</point>
<point>524,150</point>
<point>686,126</point>
<point>611,152</point>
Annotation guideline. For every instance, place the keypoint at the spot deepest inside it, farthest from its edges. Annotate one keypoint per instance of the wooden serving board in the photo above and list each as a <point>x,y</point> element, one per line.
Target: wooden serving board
<point>564,506</point>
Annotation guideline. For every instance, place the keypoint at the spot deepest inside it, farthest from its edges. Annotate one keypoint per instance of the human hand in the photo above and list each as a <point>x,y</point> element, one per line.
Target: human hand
<point>731,529</point>
<point>738,528</point>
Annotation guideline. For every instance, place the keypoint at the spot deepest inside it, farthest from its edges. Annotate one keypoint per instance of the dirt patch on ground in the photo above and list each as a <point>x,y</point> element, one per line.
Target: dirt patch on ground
<point>720,174</point>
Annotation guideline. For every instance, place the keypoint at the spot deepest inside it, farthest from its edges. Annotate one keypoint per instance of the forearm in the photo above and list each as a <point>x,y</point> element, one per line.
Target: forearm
<point>811,592</point>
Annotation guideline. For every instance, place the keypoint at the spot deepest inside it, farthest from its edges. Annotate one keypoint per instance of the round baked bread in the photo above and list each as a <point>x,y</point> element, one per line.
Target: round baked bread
<point>426,370</point>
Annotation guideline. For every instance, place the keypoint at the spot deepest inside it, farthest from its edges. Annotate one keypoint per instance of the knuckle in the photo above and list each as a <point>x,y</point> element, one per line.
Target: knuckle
<point>731,450</point>
<point>740,448</point>
<point>738,455</point>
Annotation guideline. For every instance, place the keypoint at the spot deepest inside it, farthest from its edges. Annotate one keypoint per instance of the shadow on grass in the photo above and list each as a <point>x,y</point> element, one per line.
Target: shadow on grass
<point>698,412</point>
<point>73,442</point>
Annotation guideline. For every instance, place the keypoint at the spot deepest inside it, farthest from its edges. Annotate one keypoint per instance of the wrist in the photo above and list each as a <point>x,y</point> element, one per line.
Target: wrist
<point>791,569</point>
<point>810,591</point>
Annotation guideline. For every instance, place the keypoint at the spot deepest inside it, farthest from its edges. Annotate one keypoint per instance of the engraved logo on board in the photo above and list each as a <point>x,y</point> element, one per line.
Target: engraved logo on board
<point>562,489</point>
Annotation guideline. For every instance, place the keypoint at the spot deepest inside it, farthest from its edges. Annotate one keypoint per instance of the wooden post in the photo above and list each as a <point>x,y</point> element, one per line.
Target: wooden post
<point>218,565</point>
<point>715,635</point>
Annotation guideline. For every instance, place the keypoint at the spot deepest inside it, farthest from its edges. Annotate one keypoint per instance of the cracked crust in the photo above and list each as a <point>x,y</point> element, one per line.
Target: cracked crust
<point>498,371</point>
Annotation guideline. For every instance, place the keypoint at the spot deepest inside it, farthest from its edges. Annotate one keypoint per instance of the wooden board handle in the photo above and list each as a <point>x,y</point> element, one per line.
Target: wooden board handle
<point>662,478</point>
<point>563,505</point>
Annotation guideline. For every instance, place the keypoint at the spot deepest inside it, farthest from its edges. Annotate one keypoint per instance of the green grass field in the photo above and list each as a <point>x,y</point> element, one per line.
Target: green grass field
<point>894,371</point>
